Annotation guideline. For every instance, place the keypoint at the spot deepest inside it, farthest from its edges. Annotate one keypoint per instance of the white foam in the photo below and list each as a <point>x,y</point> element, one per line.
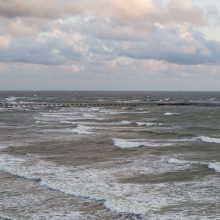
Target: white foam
<point>123,143</point>
<point>170,113</point>
<point>212,99</point>
<point>124,122</point>
<point>134,143</point>
<point>167,99</point>
<point>10,164</point>
<point>97,184</point>
<point>109,111</point>
<point>116,112</point>
<point>88,109</point>
<point>159,144</point>
<point>89,116</point>
<point>177,161</point>
<point>94,109</point>
<point>40,122</point>
<point>3,109</point>
<point>6,217</point>
<point>7,144</point>
<point>66,122</point>
<point>60,131</point>
<point>83,130</point>
<point>209,139</point>
<point>215,166</point>
<point>24,102</point>
<point>60,214</point>
<point>60,117</point>
<point>134,112</point>
<point>149,120</point>
<point>3,146</point>
<point>149,124</point>
<point>101,183</point>
<point>11,99</point>
<point>142,112</point>
<point>134,100</point>
<point>182,139</point>
<point>186,162</point>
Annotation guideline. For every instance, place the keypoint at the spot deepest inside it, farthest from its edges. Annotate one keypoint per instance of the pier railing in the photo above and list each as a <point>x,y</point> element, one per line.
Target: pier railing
<point>36,105</point>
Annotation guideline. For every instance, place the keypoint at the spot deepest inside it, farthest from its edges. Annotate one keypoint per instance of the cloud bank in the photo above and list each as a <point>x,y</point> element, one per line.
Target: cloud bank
<point>106,36</point>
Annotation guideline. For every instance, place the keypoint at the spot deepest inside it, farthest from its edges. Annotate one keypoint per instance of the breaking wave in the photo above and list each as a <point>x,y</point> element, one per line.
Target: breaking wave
<point>215,166</point>
<point>170,113</point>
<point>134,143</point>
<point>83,130</point>
<point>179,162</point>
<point>123,143</point>
<point>149,124</point>
<point>209,139</point>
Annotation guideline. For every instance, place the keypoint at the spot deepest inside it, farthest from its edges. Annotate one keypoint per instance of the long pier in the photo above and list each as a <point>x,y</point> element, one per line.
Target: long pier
<point>37,105</point>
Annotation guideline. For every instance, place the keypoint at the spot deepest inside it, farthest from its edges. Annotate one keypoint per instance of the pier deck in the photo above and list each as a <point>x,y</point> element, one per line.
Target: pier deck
<point>35,105</point>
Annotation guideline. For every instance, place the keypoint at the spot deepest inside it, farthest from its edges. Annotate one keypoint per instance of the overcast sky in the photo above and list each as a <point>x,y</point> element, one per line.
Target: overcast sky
<point>109,45</point>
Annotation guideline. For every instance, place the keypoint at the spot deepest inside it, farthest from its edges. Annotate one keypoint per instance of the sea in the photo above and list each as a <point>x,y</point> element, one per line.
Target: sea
<point>104,163</point>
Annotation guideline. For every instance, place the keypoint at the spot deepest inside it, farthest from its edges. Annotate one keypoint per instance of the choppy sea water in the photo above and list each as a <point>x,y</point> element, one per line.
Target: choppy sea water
<point>109,162</point>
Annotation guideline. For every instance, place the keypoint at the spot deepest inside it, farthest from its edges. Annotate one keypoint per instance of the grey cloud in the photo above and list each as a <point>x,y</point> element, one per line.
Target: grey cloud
<point>213,14</point>
<point>125,11</point>
<point>104,40</point>
<point>104,37</point>
<point>19,28</point>
<point>39,8</point>
<point>29,50</point>
<point>184,10</point>
<point>113,44</point>
<point>165,45</point>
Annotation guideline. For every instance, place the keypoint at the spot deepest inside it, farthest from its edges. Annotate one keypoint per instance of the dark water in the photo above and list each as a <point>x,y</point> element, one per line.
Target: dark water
<point>109,163</point>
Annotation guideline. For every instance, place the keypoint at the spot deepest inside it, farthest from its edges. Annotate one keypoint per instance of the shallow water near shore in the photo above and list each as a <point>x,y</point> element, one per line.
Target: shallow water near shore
<point>155,162</point>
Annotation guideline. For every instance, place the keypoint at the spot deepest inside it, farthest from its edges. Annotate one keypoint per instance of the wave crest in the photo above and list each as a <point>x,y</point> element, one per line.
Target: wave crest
<point>215,166</point>
<point>209,139</point>
<point>82,130</point>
